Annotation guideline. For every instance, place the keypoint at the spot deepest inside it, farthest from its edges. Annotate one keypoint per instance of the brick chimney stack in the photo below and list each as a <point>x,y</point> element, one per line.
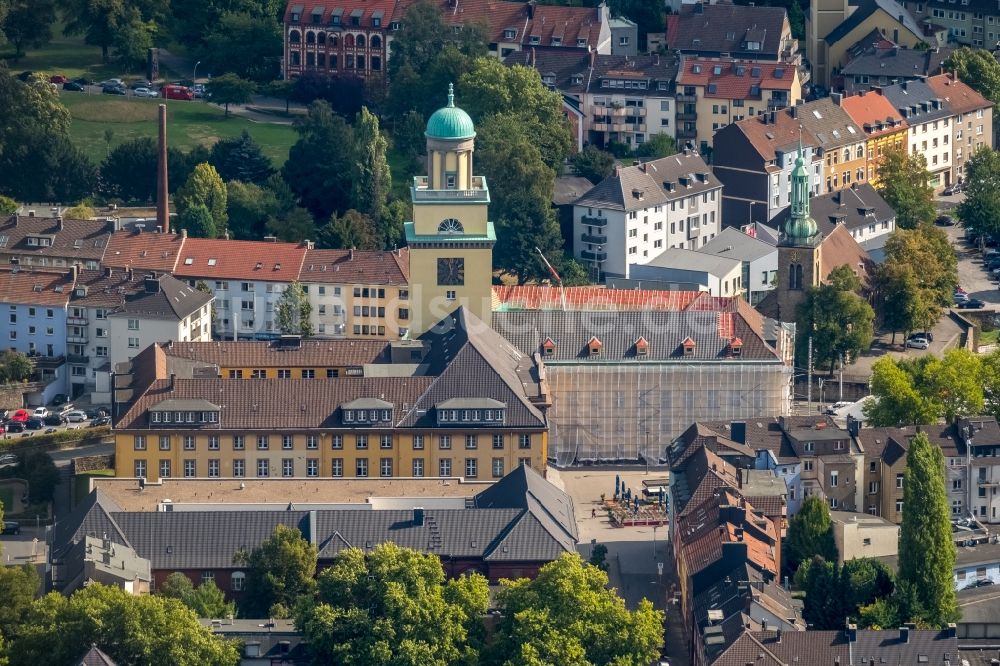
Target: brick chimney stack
<point>162,193</point>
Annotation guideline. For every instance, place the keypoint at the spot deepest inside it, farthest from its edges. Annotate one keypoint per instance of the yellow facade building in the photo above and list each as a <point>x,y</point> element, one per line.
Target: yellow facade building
<point>884,128</point>
<point>450,238</point>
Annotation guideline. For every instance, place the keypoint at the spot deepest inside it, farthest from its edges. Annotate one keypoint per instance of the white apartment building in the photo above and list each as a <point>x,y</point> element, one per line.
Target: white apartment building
<point>638,212</point>
<point>930,127</point>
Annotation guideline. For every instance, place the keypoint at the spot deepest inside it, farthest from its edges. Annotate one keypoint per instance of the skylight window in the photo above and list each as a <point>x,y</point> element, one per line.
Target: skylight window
<point>211,262</point>
<point>188,261</point>
<point>817,114</point>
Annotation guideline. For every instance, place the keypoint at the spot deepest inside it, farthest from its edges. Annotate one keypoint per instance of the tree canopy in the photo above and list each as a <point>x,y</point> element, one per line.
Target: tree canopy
<point>567,615</point>
<point>980,212</point>
<point>318,175</point>
<point>230,89</point>
<point>206,600</point>
<point>928,388</point>
<point>28,24</point>
<point>393,607</point>
<point>372,180</point>
<point>204,188</point>
<point>593,163</point>
<point>834,592</point>
<point>810,533</point>
<point>241,158</point>
<point>979,69</point>
<point>840,321</point>
<point>926,548</point>
<point>279,571</point>
<point>148,630</point>
<point>248,44</point>
<point>293,312</point>
<point>904,183</point>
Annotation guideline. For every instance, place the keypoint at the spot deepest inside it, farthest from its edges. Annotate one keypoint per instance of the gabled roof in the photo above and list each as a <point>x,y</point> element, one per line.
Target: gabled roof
<point>95,657</point>
<point>592,298</point>
<point>257,354</point>
<point>524,488</point>
<point>770,134</point>
<point>682,259</point>
<point>554,26</point>
<point>896,61</point>
<point>916,101</point>
<point>734,244</point>
<point>854,207</point>
<point>168,299</point>
<point>35,287</point>
<point>725,28</point>
<point>105,289</point>
<point>648,184</point>
<point>220,259</point>
<point>366,10</point>
<point>356,267</point>
<point>958,96</point>
<point>77,240</point>
<point>141,250</point>
<point>830,124</point>
<point>873,113</point>
<point>866,9</point>
<point>735,79</point>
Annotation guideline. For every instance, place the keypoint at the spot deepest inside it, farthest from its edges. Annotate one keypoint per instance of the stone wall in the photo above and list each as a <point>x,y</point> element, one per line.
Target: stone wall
<point>91,463</point>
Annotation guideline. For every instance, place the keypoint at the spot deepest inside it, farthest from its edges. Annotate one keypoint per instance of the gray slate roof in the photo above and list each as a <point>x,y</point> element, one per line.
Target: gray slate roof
<point>519,518</point>
<point>96,657</point>
<point>618,332</point>
<point>692,260</point>
<point>829,123</point>
<point>915,101</point>
<point>724,28</point>
<point>849,207</point>
<point>734,244</point>
<point>897,62</point>
<point>642,186</point>
<point>174,299</point>
<point>572,73</point>
<point>78,240</point>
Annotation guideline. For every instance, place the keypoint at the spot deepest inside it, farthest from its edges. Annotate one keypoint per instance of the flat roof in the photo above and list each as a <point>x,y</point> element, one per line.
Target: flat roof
<point>125,492</point>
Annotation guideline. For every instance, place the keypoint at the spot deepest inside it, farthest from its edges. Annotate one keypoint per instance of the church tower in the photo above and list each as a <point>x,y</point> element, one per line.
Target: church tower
<point>799,248</point>
<point>450,238</point>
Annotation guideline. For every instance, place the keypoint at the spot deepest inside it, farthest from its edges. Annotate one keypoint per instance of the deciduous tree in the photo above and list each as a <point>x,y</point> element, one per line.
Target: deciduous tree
<point>7,205</point>
<point>593,163</point>
<point>810,534</point>
<point>245,44</point>
<point>372,180</point>
<point>280,570</point>
<point>14,366</point>
<point>318,168</point>
<point>904,182</point>
<point>895,400</point>
<point>567,615</point>
<point>18,586</point>
<point>980,212</point>
<point>204,188</point>
<point>926,547</point>
<point>979,69</point>
<point>28,24</point>
<point>293,313</point>
<point>133,38</point>
<point>230,89</point>
<point>840,321</point>
<point>393,606</point>
<point>96,20</point>
<point>352,230</point>
<point>129,172</point>
<point>657,146</point>
<point>148,630</point>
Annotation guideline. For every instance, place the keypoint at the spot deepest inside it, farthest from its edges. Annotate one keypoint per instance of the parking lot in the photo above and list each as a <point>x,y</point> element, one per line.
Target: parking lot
<point>971,273</point>
<point>47,427</point>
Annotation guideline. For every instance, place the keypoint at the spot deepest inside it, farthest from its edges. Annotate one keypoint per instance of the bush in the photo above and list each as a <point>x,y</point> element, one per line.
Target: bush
<point>61,439</point>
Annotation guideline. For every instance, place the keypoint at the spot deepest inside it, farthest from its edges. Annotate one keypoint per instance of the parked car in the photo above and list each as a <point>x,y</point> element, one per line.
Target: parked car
<point>58,78</point>
<point>922,334</point>
<point>95,412</point>
<point>199,90</point>
<point>53,420</point>
<point>972,304</point>
<point>84,81</point>
<point>7,459</point>
<point>113,90</point>
<point>176,92</point>
<point>15,426</point>
<point>40,412</point>
<point>20,416</point>
<point>141,83</point>
<point>34,424</point>
<point>146,92</point>
<point>11,527</point>
<point>982,582</point>
<point>75,416</point>
<point>24,76</point>
<point>945,221</point>
<point>952,189</point>
<point>918,343</point>
<point>113,82</point>
<point>832,409</point>
<point>101,421</point>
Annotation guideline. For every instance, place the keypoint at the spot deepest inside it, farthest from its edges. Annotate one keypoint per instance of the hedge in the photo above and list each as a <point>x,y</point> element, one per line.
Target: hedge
<point>55,440</point>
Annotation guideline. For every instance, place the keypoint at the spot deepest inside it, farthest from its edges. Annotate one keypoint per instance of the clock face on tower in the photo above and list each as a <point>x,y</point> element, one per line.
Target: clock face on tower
<point>451,271</point>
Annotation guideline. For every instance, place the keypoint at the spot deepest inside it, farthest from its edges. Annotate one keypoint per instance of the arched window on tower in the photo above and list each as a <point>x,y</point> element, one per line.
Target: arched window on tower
<point>294,37</point>
<point>360,41</point>
<point>795,276</point>
<point>310,37</point>
<point>375,42</point>
<point>451,226</point>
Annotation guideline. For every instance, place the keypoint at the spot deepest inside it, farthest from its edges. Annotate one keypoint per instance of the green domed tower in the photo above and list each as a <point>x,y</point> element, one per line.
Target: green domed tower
<point>800,227</point>
<point>800,249</point>
<point>450,238</point>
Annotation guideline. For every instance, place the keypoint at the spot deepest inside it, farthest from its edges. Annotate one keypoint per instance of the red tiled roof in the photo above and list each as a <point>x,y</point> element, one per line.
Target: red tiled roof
<point>873,109</point>
<point>356,266</point>
<point>143,250</point>
<point>590,298</point>
<point>767,137</point>
<point>729,84</point>
<point>958,96</point>
<point>368,7</point>
<point>240,260</point>
<point>35,287</point>
<point>565,23</point>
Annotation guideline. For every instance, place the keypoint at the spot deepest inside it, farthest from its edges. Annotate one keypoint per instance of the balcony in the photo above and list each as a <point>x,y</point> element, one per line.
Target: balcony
<point>597,240</point>
<point>687,115</point>
<point>78,359</point>
<point>681,99</point>
<point>683,133</point>
<point>77,339</point>
<point>594,221</point>
<point>622,111</point>
<point>422,193</point>
<point>594,256</point>
<point>776,104</point>
<point>46,362</point>
<point>77,321</point>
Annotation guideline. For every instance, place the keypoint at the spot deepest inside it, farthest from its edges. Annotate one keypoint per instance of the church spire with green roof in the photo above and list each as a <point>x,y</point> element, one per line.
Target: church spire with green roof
<point>800,227</point>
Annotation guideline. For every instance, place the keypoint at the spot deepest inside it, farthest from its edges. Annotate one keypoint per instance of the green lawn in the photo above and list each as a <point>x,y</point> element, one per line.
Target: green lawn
<point>989,337</point>
<point>6,498</point>
<point>188,124</point>
<point>81,483</point>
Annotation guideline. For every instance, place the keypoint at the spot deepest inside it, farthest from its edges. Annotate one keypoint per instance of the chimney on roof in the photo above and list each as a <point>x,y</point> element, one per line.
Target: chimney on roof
<point>73,272</point>
<point>531,9</point>
<point>593,57</point>
<point>162,192</point>
<point>777,638</point>
<point>152,285</point>
<point>904,634</point>
<point>836,98</point>
<point>852,633</point>
<point>184,233</point>
<point>531,57</point>
<point>738,431</point>
<point>792,111</point>
<point>739,478</point>
<point>59,222</point>
<point>173,378</point>
<point>225,234</point>
<point>418,516</point>
<point>951,630</point>
<point>350,254</point>
<point>109,271</point>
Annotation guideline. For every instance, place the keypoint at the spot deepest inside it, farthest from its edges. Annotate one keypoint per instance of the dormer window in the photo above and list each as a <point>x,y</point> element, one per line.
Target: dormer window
<point>463,411</point>
<point>367,411</point>
<point>594,346</point>
<point>641,346</point>
<point>556,41</point>
<point>735,347</point>
<point>688,346</point>
<point>509,34</point>
<point>577,79</point>
<point>535,39</point>
<point>581,42</point>
<point>548,347</point>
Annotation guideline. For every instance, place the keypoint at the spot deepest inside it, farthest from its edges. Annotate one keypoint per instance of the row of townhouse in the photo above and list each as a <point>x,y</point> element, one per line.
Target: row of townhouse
<point>354,37</point>
<point>721,63</point>
<point>843,138</point>
<point>856,469</point>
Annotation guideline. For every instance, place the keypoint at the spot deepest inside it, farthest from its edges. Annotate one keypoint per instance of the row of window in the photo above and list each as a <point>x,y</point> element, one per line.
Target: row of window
<point>351,61</point>
<point>385,441</point>
<point>183,417</point>
<point>350,41</point>
<point>312,468</point>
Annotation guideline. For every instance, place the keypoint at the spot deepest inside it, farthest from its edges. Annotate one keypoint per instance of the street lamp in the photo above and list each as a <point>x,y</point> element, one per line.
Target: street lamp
<point>194,75</point>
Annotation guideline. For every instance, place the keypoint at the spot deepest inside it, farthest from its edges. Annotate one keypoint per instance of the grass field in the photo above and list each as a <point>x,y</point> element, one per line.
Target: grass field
<point>7,498</point>
<point>188,124</point>
<point>81,483</point>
